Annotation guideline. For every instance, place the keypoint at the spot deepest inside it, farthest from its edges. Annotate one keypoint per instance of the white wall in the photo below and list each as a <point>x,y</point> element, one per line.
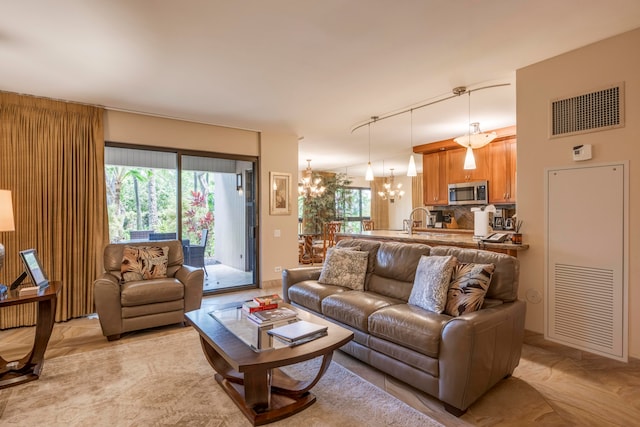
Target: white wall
<point>278,153</point>
<point>590,68</point>
<point>230,222</point>
<point>400,209</point>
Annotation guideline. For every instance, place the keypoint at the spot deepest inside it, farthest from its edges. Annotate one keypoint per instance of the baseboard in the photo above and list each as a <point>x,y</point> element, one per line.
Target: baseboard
<point>267,284</point>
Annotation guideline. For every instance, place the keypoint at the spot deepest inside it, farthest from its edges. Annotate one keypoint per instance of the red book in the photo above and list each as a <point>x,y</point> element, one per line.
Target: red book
<point>268,299</point>
<point>252,306</point>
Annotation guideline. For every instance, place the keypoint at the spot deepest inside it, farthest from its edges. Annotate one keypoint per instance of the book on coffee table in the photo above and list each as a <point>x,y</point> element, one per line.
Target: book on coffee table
<point>273,315</point>
<point>298,331</point>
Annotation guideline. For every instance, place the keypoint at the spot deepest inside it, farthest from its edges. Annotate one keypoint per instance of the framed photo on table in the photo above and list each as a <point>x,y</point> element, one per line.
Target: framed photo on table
<point>280,190</point>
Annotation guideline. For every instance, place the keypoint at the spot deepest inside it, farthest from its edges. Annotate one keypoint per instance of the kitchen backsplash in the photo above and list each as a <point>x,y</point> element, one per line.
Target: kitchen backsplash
<point>464,217</point>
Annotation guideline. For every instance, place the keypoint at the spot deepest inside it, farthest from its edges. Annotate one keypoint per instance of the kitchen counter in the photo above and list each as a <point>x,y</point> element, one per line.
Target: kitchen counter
<point>459,238</point>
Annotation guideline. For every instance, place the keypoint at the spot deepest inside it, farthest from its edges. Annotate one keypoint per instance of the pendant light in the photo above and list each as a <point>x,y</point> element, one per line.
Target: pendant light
<point>369,174</point>
<point>411,170</point>
<point>475,138</point>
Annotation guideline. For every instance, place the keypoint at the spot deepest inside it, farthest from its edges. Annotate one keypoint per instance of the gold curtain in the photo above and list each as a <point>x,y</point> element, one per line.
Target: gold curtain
<point>379,207</point>
<point>417,191</point>
<point>52,160</point>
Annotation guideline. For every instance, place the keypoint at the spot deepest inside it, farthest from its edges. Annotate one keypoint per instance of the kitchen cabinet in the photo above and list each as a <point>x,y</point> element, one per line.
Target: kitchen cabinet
<point>434,167</point>
<point>502,182</point>
<point>443,163</point>
<point>455,166</point>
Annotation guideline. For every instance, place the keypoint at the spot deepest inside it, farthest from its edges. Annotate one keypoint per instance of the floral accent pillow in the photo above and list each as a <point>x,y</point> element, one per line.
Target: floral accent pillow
<point>344,267</point>
<point>144,262</point>
<point>432,282</point>
<point>468,287</point>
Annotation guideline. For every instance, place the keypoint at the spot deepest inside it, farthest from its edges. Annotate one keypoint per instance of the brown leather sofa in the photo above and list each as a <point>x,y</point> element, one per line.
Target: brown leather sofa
<point>134,305</point>
<point>455,359</point>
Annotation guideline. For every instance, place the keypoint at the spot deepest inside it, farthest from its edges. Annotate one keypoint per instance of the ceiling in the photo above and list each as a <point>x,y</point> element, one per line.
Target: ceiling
<point>313,68</point>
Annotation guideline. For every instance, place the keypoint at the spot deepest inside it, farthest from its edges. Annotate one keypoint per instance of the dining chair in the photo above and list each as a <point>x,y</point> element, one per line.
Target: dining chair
<point>367,224</point>
<point>329,231</point>
<point>196,252</point>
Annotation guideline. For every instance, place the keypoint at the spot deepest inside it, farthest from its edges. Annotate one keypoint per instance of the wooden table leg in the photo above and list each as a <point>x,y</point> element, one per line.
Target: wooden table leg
<point>29,367</point>
<point>263,395</point>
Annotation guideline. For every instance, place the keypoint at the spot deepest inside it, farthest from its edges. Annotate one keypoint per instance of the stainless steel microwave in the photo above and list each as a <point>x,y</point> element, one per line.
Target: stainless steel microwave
<point>469,193</point>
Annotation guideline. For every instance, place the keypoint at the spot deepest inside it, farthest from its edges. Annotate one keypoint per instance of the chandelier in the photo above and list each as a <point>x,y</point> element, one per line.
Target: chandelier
<point>391,191</point>
<point>308,186</point>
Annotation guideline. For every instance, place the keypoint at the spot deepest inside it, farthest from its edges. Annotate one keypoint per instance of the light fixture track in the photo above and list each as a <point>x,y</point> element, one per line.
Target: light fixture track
<point>457,91</point>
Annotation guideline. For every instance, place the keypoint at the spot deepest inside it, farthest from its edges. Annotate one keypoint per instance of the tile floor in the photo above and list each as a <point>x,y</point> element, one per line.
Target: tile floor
<point>553,385</point>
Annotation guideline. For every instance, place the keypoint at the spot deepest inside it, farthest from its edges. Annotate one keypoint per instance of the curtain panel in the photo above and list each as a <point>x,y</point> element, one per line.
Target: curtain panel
<point>52,160</point>
<point>379,207</point>
<point>417,191</point>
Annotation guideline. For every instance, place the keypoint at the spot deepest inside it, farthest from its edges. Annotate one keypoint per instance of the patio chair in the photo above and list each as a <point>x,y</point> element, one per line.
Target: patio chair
<point>162,236</point>
<point>139,234</point>
<point>196,252</point>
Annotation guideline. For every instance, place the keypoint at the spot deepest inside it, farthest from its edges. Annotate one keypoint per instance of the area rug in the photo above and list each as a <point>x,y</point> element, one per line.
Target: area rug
<point>166,381</point>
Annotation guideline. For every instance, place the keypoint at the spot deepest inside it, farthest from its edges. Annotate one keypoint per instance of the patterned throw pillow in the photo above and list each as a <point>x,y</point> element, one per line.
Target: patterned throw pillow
<point>344,267</point>
<point>144,262</point>
<point>432,281</point>
<point>469,284</point>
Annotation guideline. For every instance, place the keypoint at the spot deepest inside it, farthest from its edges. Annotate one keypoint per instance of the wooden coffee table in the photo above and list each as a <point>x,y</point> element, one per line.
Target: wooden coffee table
<point>252,379</point>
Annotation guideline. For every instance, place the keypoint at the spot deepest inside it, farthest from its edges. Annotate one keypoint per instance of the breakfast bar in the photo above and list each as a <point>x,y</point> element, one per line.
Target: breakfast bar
<point>437,237</point>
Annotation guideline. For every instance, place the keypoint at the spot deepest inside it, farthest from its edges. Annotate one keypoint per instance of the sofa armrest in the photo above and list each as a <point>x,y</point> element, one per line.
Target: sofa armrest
<point>106,297</point>
<point>291,276</point>
<point>479,349</point>
<point>193,280</point>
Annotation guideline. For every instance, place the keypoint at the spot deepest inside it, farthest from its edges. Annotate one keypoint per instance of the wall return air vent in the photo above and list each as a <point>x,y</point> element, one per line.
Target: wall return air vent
<point>588,112</point>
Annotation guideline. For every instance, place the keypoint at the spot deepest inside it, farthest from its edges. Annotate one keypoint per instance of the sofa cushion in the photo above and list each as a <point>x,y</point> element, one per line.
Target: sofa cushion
<point>144,262</point>
<point>505,280</point>
<point>432,282</point>
<point>309,294</point>
<point>344,267</point>
<point>353,308</point>
<point>469,284</point>
<point>151,291</point>
<point>409,326</point>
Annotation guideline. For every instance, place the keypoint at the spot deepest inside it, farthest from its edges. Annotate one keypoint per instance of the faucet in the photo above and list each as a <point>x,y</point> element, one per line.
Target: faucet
<point>419,208</point>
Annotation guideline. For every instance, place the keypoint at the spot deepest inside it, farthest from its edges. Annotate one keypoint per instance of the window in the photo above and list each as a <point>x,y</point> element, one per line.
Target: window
<point>353,205</point>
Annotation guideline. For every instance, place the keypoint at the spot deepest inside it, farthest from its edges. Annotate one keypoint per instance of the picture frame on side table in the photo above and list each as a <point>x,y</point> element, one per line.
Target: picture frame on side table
<point>280,193</point>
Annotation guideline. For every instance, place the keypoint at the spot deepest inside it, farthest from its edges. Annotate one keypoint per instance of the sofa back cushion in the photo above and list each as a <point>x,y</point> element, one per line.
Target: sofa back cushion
<point>368,246</point>
<point>504,282</point>
<point>395,269</point>
<point>113,254</point>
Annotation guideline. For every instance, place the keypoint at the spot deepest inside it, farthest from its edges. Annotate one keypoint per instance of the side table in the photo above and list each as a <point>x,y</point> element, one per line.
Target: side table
<point>28,368</point>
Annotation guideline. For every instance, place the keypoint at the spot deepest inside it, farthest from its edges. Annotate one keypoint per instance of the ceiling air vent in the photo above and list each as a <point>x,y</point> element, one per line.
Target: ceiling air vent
<point>588,112</point>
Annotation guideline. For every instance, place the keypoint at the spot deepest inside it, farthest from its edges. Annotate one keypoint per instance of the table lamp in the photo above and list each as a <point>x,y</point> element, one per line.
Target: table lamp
<point>6,218</point>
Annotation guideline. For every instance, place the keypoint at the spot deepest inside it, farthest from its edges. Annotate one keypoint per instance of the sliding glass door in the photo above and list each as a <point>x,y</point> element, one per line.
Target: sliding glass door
<point>207,202</point>
<point>218,219</point>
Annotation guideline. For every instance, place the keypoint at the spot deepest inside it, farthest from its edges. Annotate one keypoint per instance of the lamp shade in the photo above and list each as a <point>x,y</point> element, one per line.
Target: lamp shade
<point>6,211</point>
<point>469,159</point>
<point>476,138</point>
<point>369,174</point>
<point>411,170</point>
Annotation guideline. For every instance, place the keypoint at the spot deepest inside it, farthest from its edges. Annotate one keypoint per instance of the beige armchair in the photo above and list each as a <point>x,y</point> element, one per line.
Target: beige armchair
<point>134,305</point>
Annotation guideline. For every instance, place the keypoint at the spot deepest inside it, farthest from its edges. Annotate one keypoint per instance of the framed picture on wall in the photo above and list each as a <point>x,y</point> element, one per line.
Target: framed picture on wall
<point>280,190</point>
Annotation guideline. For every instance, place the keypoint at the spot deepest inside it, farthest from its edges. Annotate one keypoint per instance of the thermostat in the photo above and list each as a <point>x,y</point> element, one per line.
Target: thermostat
<point>582,152</point>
